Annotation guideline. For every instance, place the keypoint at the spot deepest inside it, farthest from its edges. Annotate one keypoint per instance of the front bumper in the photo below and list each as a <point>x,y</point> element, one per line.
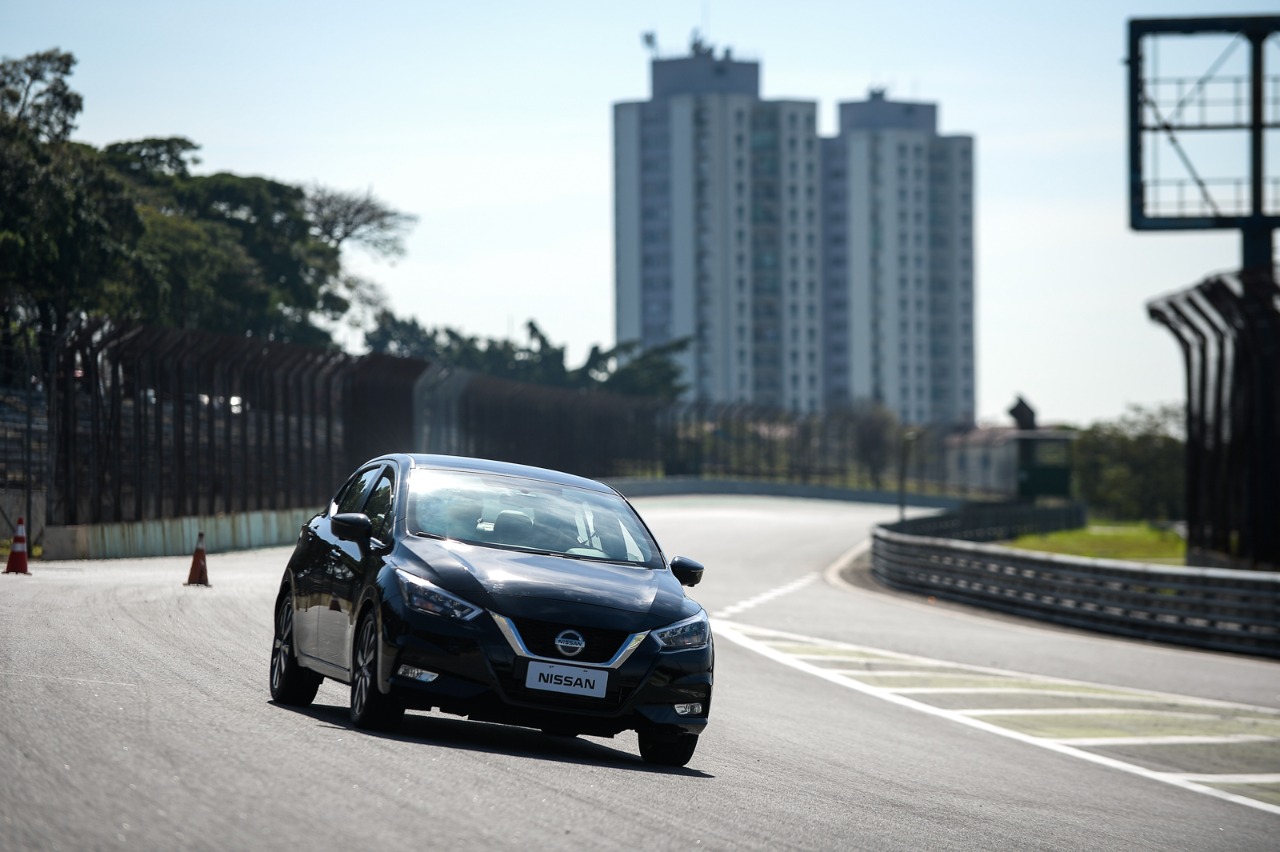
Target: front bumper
<point>481,673</point>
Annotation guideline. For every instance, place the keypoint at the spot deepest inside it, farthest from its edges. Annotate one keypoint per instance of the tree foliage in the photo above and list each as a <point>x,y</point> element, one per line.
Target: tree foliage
<point>1134,467</point>
<point>68,228</point>
<point>621,370</point>
<point>131,232</point>
<point>362,220</point>
<point>875,436</point>
<point>34,93</point>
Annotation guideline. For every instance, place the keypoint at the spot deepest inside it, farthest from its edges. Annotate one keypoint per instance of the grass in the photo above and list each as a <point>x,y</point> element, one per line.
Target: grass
<point>1137,542</point>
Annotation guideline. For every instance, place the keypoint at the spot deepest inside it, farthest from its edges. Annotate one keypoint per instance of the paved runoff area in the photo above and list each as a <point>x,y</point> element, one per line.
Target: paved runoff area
<point>1229,751</point>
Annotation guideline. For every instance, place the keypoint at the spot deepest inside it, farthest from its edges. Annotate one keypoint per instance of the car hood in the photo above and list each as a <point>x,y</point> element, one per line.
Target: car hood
<point>520,584</point>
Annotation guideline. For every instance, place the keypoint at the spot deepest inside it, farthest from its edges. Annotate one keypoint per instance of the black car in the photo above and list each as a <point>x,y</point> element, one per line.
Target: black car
<point>499,592</point>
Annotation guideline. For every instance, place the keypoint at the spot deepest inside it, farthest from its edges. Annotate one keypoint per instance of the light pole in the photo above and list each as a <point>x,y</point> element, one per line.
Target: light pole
<point>908,437</point>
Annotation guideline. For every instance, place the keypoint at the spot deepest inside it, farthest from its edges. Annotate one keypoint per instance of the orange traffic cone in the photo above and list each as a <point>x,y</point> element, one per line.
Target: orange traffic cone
<point>17,563</point>
<point>199,575</point>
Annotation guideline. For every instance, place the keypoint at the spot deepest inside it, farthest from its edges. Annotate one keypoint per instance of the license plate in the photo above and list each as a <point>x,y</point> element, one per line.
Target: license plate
<point>570,680</point>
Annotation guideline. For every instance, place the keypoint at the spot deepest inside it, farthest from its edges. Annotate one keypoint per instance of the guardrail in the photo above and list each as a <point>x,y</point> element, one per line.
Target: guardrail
<point>995,521</point>
<point>1212,608</point>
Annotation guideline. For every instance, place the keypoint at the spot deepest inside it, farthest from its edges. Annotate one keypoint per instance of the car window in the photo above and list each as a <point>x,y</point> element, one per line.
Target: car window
<point>514,512</point>
<point>378,507</point>
<point>352,495</point>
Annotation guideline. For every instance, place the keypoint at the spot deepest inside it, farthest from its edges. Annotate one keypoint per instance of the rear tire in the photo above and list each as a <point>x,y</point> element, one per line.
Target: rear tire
<point>370,709</point>
<point>666,748</point>
<point>290,683</point>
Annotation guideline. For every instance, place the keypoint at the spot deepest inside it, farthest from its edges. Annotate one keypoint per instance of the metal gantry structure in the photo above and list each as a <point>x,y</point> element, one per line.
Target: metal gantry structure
<point>1228,328</point>
<point>1228,325</point>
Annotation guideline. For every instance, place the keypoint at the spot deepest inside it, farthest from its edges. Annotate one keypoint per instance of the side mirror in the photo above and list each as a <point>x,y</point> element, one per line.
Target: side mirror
<point>352,526</point>
<point>688,572</point>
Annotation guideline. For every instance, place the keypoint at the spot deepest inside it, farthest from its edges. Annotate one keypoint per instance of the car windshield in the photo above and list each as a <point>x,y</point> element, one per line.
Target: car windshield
<point>514,512</point>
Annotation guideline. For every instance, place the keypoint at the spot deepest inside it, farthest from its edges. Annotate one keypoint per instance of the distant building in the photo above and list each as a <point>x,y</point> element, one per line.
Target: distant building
<point>1026,462</point>
<point>717,231</point>
<point>898,262</point>
<point>810,273</point>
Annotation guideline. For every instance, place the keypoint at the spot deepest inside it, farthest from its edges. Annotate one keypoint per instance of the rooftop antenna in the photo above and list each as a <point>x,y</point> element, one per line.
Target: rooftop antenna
<point>651,42</point>
<point>697,45</point>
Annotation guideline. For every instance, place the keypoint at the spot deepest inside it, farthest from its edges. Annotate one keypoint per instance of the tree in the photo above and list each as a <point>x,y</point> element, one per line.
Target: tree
<point>874,431</point>
<point>653,373</point>
<point>154,160</point>
<point>1133,467</point>
<point>191,274</point>
<point>341,217</point>
<point>34,93</point>
<point>130,232</point>
<point>231,254</point>
<point>68,227</point>
<point>296,268</point>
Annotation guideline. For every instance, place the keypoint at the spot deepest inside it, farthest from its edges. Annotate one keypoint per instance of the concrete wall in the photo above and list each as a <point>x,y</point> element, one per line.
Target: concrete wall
<point>175,536</point>
<point>13,505</point>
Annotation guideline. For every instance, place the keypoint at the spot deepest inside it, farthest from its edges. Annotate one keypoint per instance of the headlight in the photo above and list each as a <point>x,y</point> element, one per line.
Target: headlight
<point>693,632</point>
<point>421,595</point>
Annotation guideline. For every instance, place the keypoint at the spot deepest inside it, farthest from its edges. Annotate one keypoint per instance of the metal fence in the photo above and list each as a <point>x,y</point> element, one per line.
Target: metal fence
<point>115,424</point>
<point>459,412</point>
<point>607,436</point>
<point>24,431</point>
<point>135,423</point>
<point>122,423</point>
<point>1213,608</point>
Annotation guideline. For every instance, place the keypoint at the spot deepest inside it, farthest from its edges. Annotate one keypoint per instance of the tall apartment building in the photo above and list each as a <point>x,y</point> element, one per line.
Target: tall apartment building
<point>898,262</point>
<point>721,203</point>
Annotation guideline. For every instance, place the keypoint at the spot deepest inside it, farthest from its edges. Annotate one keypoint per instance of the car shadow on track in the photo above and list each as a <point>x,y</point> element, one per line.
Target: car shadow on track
<point>447,732</point>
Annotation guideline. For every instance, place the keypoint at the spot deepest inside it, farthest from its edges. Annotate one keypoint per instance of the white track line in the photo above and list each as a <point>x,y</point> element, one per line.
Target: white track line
<point>765,597</point>
<point>1226,739</point>
<point>730,632</point>
<point>1084,711</point>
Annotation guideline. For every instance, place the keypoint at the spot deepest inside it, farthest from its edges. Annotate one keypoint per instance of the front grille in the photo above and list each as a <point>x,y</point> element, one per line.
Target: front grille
<point>540,638</point>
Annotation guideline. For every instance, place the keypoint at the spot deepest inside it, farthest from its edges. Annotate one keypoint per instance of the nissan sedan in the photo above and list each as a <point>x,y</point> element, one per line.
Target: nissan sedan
<point>498,592</point>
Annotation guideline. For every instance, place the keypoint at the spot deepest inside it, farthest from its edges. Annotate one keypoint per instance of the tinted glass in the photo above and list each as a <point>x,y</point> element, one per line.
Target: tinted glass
<point>350,498</point>
<point>378,506</point>
<point>512,512</point>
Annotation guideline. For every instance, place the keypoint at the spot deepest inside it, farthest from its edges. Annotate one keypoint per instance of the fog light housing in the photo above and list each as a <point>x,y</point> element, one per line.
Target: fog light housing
<point>415,673</point>
<point>692,709</point>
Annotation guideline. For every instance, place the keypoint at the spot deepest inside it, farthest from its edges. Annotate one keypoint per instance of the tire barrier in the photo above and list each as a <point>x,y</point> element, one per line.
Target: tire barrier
<point>1211,608</point>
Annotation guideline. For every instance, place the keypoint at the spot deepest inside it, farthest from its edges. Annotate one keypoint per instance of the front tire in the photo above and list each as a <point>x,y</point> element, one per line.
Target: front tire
<point>666,748</point>
<point>370,709</point>
<point>290,683</point>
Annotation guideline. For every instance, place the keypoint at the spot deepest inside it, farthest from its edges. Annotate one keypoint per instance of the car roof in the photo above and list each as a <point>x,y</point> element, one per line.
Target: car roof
<point>464,463</point>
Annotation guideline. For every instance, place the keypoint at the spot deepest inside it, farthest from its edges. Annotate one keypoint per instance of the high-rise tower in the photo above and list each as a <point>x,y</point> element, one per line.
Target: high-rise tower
<point>808,274</point>
<point>898,262</point>
<point>717,230</point>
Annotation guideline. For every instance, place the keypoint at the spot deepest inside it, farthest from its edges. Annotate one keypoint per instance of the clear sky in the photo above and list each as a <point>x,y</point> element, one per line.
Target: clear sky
<point>492,122</point>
